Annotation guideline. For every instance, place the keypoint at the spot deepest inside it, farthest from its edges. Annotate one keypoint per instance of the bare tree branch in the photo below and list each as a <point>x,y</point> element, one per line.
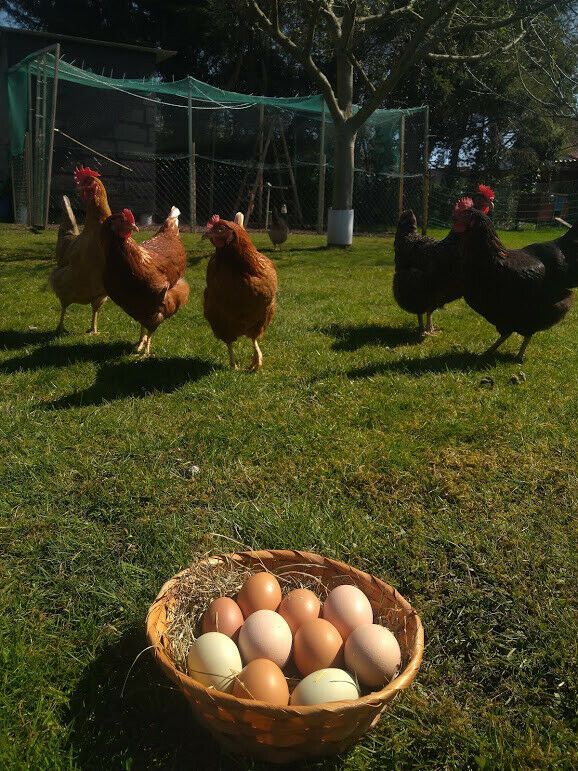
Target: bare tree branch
<point>306,60</point>
<point>506,21</point>
<point>377,18</point>
<point>311,29</point>
<point>416,48</point>
<point>433,57</point>
<point>359,69</point>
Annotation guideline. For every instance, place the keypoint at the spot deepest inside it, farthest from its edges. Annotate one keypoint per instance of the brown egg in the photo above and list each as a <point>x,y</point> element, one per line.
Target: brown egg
<point>317,645</point>
<point>262,680</point>
<point>259,592</point>
<point>299,606</point>
<point>223,615</point>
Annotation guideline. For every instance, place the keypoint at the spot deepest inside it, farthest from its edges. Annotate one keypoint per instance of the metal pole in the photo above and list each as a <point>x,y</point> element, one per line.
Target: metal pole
<point>212,175</point>
<point>267,209</point>
<point>321,180</point>
<point>425,193</point>
<point>192,166</point>
<point>28,152</point>
<point>36,192</point>
<point>51,135</point>
<point>260,188</point>
<point>401,162</point>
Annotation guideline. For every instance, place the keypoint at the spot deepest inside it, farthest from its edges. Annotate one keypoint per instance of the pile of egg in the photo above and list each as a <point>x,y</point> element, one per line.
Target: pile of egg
<point>335,646</point>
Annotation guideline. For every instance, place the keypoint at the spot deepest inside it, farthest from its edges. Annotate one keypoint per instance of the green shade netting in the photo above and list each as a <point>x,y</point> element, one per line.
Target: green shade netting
<point>204,95</point>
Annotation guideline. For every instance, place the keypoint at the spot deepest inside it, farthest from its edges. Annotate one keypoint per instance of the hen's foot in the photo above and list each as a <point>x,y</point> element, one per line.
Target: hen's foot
<point>257,360</point>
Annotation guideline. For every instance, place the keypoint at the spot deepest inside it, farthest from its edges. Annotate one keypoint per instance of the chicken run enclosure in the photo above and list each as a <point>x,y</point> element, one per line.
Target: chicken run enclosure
<point>200,148</point>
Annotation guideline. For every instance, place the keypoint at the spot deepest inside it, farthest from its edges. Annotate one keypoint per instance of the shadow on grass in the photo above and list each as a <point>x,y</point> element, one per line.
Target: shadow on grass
<point>151,725</point>
<point>139,377</point>
<point>63,355</point>
<point>12,339</point>
<point>350,338</point>
<point>445,362</point>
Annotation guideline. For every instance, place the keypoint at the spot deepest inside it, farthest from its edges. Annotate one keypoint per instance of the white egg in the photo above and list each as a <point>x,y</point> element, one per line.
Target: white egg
<point>214,659</point>
<point>323,686</point>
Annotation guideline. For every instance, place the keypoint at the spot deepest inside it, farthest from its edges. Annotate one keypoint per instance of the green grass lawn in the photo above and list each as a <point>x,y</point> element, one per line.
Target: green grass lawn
<point>354,441</point>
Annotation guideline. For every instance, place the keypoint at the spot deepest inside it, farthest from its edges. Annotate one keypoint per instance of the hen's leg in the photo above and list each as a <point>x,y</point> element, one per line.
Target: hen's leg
<point>94,325</point>
<point>493,348</point>
<point>522,351</point>
<point>142,340</point>
<point>257,361</point>
<point>420,329</point>
<point>232,362</point>
<point>96,306</point>
<point>429,327</point>
<point>147,351</point>
<point>60,328</point>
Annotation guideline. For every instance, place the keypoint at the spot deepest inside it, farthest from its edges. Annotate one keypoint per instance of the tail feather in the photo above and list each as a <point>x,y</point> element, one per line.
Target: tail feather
<point>67,231</point>
<point>171,222</point>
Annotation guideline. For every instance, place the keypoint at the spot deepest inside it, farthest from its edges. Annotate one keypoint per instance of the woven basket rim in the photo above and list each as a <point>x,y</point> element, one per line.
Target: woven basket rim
<point>402,681</point>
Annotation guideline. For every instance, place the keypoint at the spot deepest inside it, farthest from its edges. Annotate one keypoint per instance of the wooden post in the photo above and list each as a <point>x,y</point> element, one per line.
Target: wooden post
<point>425,192</point>
<point>291,175</point>
<point>268,204</point>
<point>192,165</point>
<point>51,135</point>
<point>401,162</point>
<point>259,176</point>
<point>321,180</point>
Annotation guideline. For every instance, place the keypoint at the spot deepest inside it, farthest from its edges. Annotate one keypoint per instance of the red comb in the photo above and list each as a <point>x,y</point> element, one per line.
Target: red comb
<point>213,221</point>
<point>128,215</point>
<point>82,173</point>
<point>464,203</point>
<point>487,192</point>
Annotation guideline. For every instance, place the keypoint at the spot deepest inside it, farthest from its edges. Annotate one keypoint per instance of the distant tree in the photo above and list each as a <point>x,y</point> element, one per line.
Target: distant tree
<point>333,41</point>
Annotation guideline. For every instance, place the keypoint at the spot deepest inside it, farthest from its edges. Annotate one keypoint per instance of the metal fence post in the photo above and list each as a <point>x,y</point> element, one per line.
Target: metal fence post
<point>321,180</point>
<point>192,164</point>
<point>401,162</point>
<point>425,193</point>
<point>51,135</point>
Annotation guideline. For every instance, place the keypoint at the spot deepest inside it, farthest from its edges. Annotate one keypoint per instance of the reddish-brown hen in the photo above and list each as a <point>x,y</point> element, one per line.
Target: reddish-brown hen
<point>146,279</point>
<point>241,288</point>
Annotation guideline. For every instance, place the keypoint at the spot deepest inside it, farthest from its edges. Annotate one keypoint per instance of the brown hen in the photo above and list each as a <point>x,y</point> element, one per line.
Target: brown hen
<point>77,277</point>
<point>241,289</point>
<point>146,279</point>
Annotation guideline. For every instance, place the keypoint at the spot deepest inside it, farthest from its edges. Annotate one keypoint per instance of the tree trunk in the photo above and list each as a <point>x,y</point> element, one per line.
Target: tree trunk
<point>343,163</point>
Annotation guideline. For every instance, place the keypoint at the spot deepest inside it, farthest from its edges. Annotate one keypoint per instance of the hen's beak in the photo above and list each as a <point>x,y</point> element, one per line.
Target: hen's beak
<point>134,226</point>
<point>204,234</point>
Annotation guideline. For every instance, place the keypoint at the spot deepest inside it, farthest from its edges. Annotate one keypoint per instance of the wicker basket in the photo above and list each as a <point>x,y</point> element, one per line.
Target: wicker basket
<point>285,734</point>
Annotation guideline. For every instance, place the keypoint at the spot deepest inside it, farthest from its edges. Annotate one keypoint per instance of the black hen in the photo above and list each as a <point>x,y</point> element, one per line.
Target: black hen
<point>519,290</point>
<point>428,272</point>
<point>278,229</point>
